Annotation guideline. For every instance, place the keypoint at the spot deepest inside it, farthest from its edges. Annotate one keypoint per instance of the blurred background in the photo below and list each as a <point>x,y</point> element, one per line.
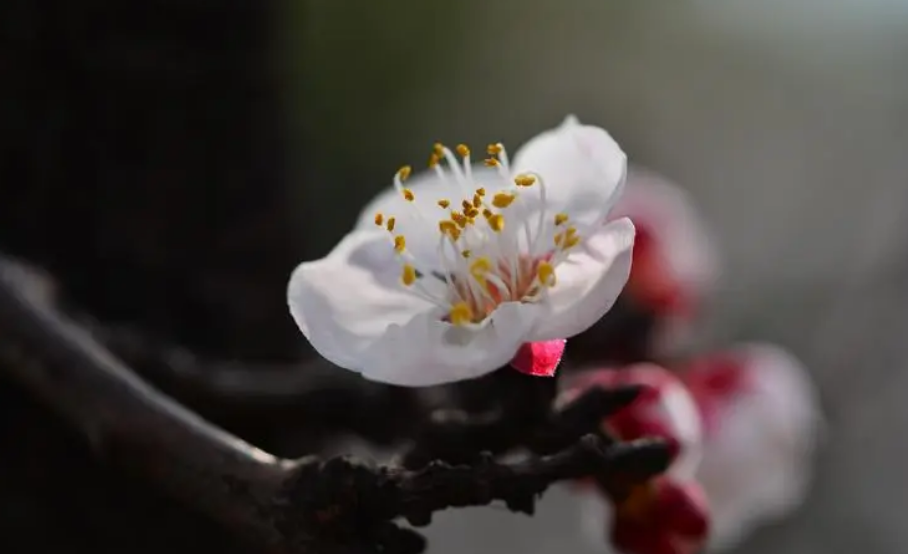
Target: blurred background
<point>172,162</point>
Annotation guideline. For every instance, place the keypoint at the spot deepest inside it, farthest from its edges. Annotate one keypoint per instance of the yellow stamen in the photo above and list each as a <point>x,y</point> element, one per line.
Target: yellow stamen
<point>546,274</point>
<point>379,219</point>
<point>477,201</point>
<point>560,218</point>
<point>459,219</point>
<point>434,159</point>
<point>494,149</point>
<point>408,194</point>
<point>408,275</point>
<point>439,149</point>
<point>486,213</point>
<point>404,172</point>
<point>466,205</point>
<point>570,239</point>
<point>496,222</point>
<point>449,228</point>
<point>524,180</point>
<point>400,244</point>
<point>443,204</point>
<point>503,199</point>
<point>481,191</point>
<point>491,162</point>
<point>389,225</point>
<point>463,150</point>
<point>460,314</point>
<point>466,253</point>
<point>479,268</point>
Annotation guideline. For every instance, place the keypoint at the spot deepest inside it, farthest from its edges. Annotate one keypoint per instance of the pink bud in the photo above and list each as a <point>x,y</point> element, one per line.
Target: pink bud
<point>539,359</point>
<point>762,422</point>
<point>675,260</point>
<point>661,517</point>
<point>664,409</point>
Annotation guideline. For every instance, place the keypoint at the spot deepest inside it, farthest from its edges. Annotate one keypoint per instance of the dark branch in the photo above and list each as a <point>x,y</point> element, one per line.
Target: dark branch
<point>337,506</point>
<point>458,436</point>
<point>127,421</point>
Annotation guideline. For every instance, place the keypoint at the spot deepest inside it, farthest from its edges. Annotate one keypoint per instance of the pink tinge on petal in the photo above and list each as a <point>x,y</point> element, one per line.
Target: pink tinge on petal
<point>539,359</point>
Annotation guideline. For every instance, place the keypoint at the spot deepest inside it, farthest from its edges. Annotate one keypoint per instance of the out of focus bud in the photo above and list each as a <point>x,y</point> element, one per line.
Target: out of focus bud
<point>762,423</point>
<point>661,517</point>
<point>675,260</point>
<point>664,409</point>
<point>668,514</point>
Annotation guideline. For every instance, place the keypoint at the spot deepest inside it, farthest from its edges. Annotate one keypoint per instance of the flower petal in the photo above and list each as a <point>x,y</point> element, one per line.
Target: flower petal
<point>588,283</point>
<point>539,359</point>
<point>342,303</point>
<point>427,351</point>
<point>583,168</point>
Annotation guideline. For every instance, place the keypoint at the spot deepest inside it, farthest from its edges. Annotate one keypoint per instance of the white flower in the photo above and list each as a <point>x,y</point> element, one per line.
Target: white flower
<point>762,423</point>
<point>444,279</point>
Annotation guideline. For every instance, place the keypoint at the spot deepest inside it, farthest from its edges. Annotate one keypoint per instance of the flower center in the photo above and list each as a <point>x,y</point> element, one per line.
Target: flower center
<point>493,247</point>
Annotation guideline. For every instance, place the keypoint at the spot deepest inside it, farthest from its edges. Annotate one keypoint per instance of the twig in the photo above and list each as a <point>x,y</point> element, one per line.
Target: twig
<point>337,506</point>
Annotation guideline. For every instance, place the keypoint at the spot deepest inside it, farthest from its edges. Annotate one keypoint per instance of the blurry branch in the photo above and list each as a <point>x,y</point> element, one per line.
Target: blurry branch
<point>313,390</point>
<point>282,506</point>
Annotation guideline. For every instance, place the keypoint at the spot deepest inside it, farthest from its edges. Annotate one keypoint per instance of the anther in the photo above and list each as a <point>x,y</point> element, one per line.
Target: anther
<point>466,253</point>
<point>481,191</point>
<point>546,274</point>
<point>477,201</point>
<point>503,199</point>
<point>479,268</point>
<point>460,314</point>
<point>560,218</point>
<point>434,159</point>
<point>524,180</point>
<point>449,228</point>
<point>496,222</point>
<point>400,244</point>
<point>408,275</point>
<point>491,162</point>
<point>463,150</point>
<point>404,172</point>
<point>389,225</point>
<point>439,149</point>
<point>379,219</point>
<point>443,204</point>
<point>494,149</point>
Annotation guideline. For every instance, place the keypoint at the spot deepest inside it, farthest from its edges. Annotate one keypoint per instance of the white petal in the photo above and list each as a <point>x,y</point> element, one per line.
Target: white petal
<point>344,302</point>
<point>588,282</point>
<point>427,351</point>
<point>582,165</point>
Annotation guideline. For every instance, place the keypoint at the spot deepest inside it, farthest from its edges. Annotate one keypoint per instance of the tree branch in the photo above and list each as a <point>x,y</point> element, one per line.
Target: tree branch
<point>338,506</point>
